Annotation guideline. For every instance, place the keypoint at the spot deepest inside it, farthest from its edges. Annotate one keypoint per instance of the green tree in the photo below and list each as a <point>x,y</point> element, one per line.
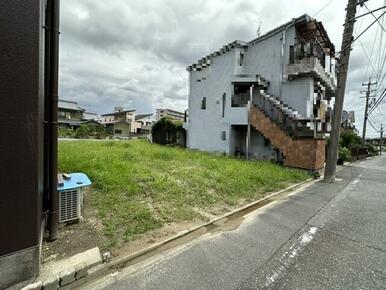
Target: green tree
<point>84,131</point>
<point>350,140</point>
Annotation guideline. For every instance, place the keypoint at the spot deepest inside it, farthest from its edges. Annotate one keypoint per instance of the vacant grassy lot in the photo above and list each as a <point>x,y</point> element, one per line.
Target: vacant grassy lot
<point>138,186</point>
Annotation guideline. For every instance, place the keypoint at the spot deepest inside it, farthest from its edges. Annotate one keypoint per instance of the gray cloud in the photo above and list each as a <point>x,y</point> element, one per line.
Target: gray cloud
<point>134,53</point>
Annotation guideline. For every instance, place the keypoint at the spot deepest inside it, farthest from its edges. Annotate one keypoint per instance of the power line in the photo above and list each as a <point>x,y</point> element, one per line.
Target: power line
<point>321,9</point>
<point>367,28</point>
<point>380,8</point>
<point>368,58</point>
<point>371,54</point>
<point>372,125</point>
<point>378,101</point>
<point>375,18</point>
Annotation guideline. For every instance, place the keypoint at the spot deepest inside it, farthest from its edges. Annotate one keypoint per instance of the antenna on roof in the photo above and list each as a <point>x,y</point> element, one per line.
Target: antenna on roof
<point>258,29</point>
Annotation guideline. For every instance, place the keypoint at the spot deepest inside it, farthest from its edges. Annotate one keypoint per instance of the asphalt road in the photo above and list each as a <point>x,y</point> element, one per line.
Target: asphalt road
<point>326,236</point>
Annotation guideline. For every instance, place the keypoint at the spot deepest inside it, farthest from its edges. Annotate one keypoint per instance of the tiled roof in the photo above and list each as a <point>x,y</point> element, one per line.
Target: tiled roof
<point>90,116</point>
<point>141,116</point>
<point>69,105</point>
<point>118,113</point>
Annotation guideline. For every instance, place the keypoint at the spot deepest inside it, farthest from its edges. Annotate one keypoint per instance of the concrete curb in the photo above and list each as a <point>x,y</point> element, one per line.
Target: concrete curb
<point>124,261</point>
<point>116,264</point>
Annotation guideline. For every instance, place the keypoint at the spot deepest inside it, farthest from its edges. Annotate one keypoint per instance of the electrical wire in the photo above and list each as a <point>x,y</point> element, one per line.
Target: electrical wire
<point>372,13</point>
<point>321,9</point>
<point>372,125</point>
<point>367,28</point>
<point>368,58</point>
<point>378,101</point>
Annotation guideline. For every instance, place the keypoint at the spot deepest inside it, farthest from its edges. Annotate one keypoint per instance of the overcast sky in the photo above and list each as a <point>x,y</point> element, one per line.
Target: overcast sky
<point>134,53</point>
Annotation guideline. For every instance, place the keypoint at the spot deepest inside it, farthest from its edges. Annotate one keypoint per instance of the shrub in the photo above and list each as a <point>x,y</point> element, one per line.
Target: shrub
<point>350,140</point>
<point>166,122</point>
<point>100,133</point>
<point>371,149</point>
<point>344,154</point>
<point>84,131</point>
<point>65,133</point>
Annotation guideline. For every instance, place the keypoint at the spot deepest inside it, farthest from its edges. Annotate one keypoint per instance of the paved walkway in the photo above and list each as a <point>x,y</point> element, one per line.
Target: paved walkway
<point>326,236</point>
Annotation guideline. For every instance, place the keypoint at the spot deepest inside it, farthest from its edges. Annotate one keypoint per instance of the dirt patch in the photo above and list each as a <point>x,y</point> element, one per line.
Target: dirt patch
<point>77,237</point>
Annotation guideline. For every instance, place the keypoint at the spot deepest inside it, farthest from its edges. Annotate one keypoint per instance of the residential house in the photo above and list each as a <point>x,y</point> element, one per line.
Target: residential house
<point>145,121</point>
<point>175,115</point>
<point>269,98</point>
<point>120,123</point>
<point>71,116</point>
<point>348,122</point>
<point>90,116</point>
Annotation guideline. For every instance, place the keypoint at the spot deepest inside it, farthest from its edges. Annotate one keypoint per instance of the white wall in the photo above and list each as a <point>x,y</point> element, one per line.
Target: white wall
<point>268,58</point>
<point>298,94</point>
<point>205,126</point>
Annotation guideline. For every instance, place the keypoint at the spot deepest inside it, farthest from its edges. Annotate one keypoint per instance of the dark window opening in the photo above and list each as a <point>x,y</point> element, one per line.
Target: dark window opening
<point>292,54</point>
<point>223,135</point>
<point>116,131</point>
<point>223,104</point>
<point>241,95</point>
<point>241,58</point>
<point>203,103</point>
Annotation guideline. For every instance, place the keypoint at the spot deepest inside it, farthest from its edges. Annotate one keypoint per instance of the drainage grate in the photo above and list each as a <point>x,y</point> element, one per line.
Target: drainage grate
<point>69,205</point>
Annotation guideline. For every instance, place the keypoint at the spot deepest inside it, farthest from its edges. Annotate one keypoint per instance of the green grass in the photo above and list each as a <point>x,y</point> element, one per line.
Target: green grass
<point>138,186</point>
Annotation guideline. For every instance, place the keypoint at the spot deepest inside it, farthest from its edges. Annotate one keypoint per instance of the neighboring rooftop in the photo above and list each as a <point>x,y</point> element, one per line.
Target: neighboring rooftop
<point>69,105</point>
<point>118,113</point>
<point>141,116</point>
<point>170,110</point>
<point>90,116</point>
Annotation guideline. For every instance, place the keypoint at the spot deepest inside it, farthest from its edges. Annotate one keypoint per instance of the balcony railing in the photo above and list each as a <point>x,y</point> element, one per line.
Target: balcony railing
<point>311,66</point>
<point>286,119</point>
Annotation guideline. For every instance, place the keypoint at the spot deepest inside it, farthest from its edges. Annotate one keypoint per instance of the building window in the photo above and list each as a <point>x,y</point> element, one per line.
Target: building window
<point>223,135</point>
<point>291,54</point>
<point>223,104</point>
<point>116,131</point>
<point>241,58</point>
<point>203,103</point>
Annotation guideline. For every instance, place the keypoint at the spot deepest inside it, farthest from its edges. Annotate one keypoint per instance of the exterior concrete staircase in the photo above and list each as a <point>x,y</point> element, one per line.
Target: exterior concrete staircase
<point>306,153</point>
<point>287,131</point>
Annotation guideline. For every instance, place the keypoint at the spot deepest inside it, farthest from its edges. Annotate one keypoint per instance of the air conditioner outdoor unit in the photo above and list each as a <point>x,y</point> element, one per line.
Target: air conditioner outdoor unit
<point>69,205</point>
<point>70,187</point>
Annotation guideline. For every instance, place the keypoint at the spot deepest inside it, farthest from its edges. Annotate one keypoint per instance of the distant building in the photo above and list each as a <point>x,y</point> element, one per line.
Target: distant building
<point>118,115</point>
<point>348,122</point>
<point>90,116</point>
<point>124,123</point>
<point>145,121</point>
<point>71,116</point>
<point>160,113</point>
<point>120,122</point>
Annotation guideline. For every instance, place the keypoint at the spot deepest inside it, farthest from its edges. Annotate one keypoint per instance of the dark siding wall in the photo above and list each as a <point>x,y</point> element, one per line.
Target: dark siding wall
<point>21,171</point>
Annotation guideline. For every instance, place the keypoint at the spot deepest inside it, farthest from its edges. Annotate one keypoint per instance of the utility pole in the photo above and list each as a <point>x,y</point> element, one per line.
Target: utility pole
<point>381,141</point>
<point>369,84</point>
<point>332,152</point>
<point>248,141</point>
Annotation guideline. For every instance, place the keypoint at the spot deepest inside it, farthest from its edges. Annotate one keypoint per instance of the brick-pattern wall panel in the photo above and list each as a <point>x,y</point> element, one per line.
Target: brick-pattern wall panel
<point>306,153</point>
